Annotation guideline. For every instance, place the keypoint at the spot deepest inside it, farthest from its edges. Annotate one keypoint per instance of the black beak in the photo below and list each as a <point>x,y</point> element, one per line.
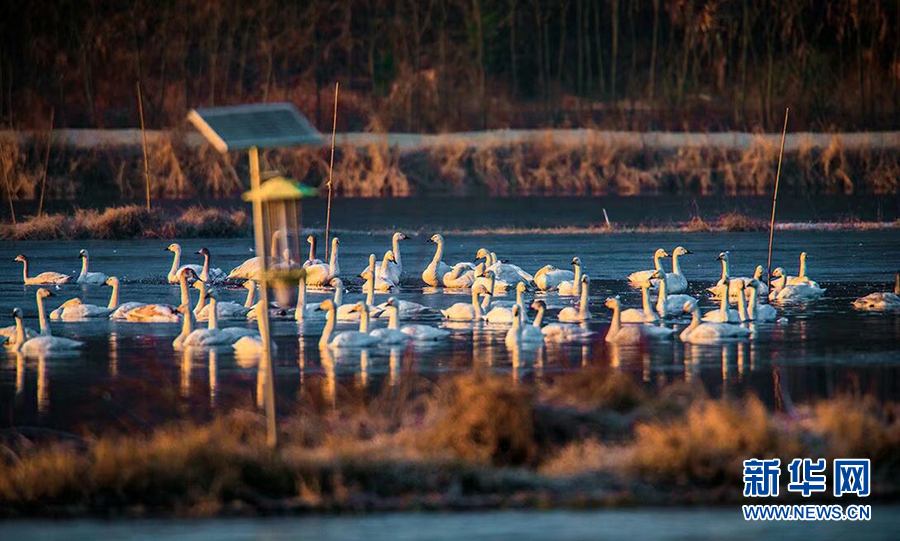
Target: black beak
<point>688,252</point>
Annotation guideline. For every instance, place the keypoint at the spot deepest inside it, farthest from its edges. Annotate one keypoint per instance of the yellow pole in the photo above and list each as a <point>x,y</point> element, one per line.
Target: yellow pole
<point>263,312</point>
<point>775,198</point>
<point>331,171</point>
<point>144,143</point>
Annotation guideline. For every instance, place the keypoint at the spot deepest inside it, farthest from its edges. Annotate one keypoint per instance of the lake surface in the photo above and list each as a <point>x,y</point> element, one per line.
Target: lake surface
<point>650,525</point>
<point>129,376</point>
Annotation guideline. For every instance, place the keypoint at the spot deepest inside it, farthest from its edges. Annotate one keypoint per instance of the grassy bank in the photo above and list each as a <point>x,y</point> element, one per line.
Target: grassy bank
<point>473,441</point>
<point>396,165</point>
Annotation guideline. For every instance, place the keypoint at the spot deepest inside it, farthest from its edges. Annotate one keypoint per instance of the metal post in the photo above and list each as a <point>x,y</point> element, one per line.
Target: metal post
<point>331,172</point>
<point>263,311</point>
<point>144,143</point>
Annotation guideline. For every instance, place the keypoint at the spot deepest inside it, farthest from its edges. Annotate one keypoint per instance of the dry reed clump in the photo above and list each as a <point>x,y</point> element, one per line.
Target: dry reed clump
<point>372,172</point>
<point>595,389</point>
<point>708,444</point>
<point>697,225</point>
<point>128,222</point>
<point>855,427</point>
<point>735,221</point>
<point>201,222</point>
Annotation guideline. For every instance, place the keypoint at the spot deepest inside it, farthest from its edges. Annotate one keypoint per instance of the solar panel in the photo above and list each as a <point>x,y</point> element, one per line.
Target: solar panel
<point>263,125</point>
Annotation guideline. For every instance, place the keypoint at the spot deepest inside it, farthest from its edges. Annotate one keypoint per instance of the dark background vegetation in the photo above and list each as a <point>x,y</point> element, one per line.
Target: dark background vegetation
<point>441,65</point>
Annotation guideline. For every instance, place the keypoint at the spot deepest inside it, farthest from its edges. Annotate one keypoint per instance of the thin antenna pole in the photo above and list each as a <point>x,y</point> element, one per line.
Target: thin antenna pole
<point>775,197</point>
<point>144,143</point>
<point>46,163</point>
<point>331,170</point>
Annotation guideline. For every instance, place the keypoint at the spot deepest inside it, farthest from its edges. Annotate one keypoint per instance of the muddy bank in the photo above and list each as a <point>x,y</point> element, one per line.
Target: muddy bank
<point>107,164</point>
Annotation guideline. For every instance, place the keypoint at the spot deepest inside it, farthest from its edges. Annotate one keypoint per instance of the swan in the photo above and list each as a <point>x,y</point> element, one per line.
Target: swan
<point>786,293</point>
<point>438,273</point>
<point>163,313</point>
<point>120,309</point>
<point>570,314</point>
<point>250,268</point>
<point>548,277</point>
<point>383,283</point>
<point>630,334</point>
<point>321,274</point>
<point>724,314</point>
<point>175,248</point>
<point>207,274</point>
<point>405,308</point>
<point>670,304</point>
<point>351,313</point>
<point>213,335</point>
<point>464,311</point>
<point>636,278</point>
<point>572,288</point>
<point>506,272</point>
<point>675,280</point>
<point>801,277</point>
<point>718,290</point>
<point>312,259</point>
<point>881,300</point>
<point>90,278</point>
<point>390,272</point>
<point>8,334</point>
<point>424,333</point>
<point>699,333</point>
<point>392,334</point>
<point>520,334</point>
<point>43,344</point>
<point>488,280</point>
<point>346,339</point>
<point>74,311</point>
<point>251,343</point>
<point>494,312</point>
<point>304,310</point>
<point>44,278</point>
<point>757,311</point>
<point>557,332</point>
<point>224,309</point>
<point>646,313</point>
<point>187,325</point>
<point>520,299</point>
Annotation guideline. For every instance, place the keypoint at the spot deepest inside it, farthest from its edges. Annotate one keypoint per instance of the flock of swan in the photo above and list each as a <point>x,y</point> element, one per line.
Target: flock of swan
<point>665,307</point>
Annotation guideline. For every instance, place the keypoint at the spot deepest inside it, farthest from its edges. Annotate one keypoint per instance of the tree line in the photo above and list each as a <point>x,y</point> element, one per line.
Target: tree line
<point>448,65</point>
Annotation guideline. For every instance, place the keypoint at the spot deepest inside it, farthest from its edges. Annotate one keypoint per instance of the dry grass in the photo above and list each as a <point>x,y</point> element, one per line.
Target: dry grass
<point>473,440</point>
<point>130,222</point>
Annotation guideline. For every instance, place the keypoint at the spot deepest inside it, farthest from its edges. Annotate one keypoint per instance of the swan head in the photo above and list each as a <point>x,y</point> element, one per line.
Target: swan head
<point>389,255</point>
<point>360,307</point>
<point>585,279</point>
<point>203,251</point>
<point>481,289</point>
<point>778,272</point>
<point>659,253</point>
<point>479,269</point>
<point>802,256</point>
<point>112,281</point>
<point>539,305</point>
<point>250,285</point>
<point>174,247</point>
<point>690,306</point>
<point>398,236</point>
<point>757,274</point>
<point>334,243</point>
<point>17,313</point>
<point>183,309</point>
<point>516,311</point>
<point>188,274</point>
<point>612,302</point>
<point>390,302</point>
<point>337,283</point>
<point>482,253</point>
<point>521,287</point>
<point>645,284</point>
<point>723,256</point>
<point>326,305</point>
<point>44,293</point>
<point>212,294</point>
<point>21,258</point>
<point>576,261</point>
<point>83,254</point>
<point>436,238</point>
<point>311,239</point>
<point>681,250</point>
<point>656,275</point>
<point>366,275</point>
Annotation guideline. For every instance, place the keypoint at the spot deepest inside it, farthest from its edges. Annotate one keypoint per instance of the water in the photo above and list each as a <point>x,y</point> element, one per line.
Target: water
<point>128,375</point>
<point>651,525</point>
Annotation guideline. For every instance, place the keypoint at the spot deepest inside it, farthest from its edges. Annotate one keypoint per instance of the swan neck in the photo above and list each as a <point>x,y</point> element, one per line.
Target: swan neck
<point>370,291</point>
<point>187,326</point>
<point>751,305</point>
<point>25,270</point>
<point>520,298</point>
<point>645,301</point>
<point>582,310</point>
<point>301,297</point>
<point>802,268</point>
<point>723,302</point>
<point>616,319</point>
<point>213,316</point>
<point>676,267</point>
<point>338,296</point>
<point>539,317</point>
<point>724,271</point>
<point>332,261</point>
<point>20,333</point>
<point>114,297</point>
<point>577,283</point>
<point>661,301</point>
<point>329,327</point>
<point>438,253</point>
<point>393,321</point>
<point>657,263</point>
<point>364,320</point>
<point>84,267</point>
<point>42,316</point>
<point>204,273</point>
<point>185,296</point>
<point>312,249</point>
<point>742,306</point>
<point>176,260</point>
<point>477,306</point>
<point>395,246</point>
<point>251,295</point>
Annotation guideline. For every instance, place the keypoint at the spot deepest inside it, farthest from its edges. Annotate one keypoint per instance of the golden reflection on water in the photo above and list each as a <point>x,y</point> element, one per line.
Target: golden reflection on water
<point>186,367</point>
<point>113,361</point>
<point>43,385</point>
<point>364,368</point>
<point>327,360</point>
<point>213,379</point>
<point>395,365</point>
<point>20,373</point>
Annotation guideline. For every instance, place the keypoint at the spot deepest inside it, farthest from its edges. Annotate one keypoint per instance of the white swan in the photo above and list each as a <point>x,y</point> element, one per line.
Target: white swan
<point>312,259</point>
<point>520,299</point>
<point>212,335</point>
<point>646,313</point>
<point>383,282</point>
<point>630,334</point>
<point>391,269</point>
<point>163,313</point>
<point>636,278</point>
<point>346,339</point>
<point>670,304</point>
<point>438,273</point>
<point>570,314</point>
<point>249,269</point>
<point>8,334</point>
<point>351,313</point>
<point>572,288</point>
<point>224,310</point>
<point>75,310</point>
<point>786,293</point>
<point>86,277</point>
<point>519,334</point>
<point>718,290</point>
<point>252,344</point>
<point>120,309</point>
<point>304,310</point>
<point>465,311</point>
<point>881,300</point>
<point>724,314</point>
<point>44,278</point>
<point>548,277</point>
<point>704,333</point>
<point>504,313</point>
<point>506,272</point>
<point>392,334</point>
<point>757,311</point>
<point>175,248</point>
<point>675,280</point>
<point>187,325</point>
<point>43,344</point>
<point>801,277</point>
<point>320,274</point>
<point>424,333</point>
<point>207,274</point>
<point>488,280</point>
<point>558,332</point>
